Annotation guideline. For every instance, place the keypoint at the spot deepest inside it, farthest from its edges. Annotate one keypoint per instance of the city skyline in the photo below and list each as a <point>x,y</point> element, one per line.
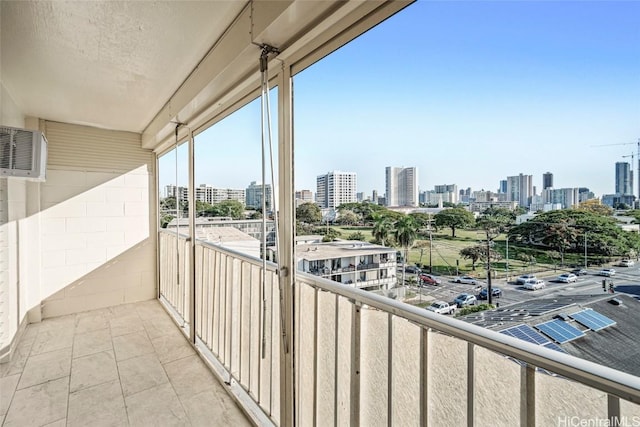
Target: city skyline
<point>467,92</point>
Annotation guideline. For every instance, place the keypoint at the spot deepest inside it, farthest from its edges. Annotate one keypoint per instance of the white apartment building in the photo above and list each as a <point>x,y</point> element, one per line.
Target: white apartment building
<point>353,263</point>
<point>566,197</point>
<point>206,193</point>
<point>336,188</point>
<point>433,198</point>
<point>451,190</point>
<point>304,196</point>
<point>482,206</point>
<point>253,195</point>
<point>401,186</point>
<point>485,196</point>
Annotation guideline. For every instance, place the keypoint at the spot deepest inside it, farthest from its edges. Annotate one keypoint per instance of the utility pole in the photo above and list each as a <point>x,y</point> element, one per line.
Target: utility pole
<point>430,246</point>
<point>489,270</point>
<point>507,262</point>
<point>585,249</point>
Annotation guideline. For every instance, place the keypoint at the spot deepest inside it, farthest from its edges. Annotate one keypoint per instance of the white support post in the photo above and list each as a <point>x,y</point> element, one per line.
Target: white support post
<point>192,240</point>
<point>286,255</point>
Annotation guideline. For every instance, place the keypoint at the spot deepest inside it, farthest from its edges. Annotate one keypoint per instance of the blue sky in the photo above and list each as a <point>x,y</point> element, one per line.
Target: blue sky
<point>468,92</point>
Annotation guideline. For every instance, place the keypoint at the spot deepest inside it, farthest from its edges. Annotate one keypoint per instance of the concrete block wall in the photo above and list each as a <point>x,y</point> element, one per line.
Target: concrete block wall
<point>10,211</point>
<point>5,304</point>
<point>98,248</point>
<point>98,229</point>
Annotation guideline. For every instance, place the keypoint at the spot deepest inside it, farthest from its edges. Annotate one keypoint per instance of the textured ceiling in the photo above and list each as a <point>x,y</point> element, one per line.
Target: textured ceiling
<point>105,63</point>
<point>141,65</point>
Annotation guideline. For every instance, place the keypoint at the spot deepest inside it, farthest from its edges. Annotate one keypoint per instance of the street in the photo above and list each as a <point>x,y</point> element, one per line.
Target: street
<point>623,280</point>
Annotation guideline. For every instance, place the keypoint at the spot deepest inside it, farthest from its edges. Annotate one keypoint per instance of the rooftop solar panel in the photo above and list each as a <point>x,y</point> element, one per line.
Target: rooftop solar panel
<point>526,333</point>
<point>559,331</point>
<point>592,319</point>
<point>554,346</point>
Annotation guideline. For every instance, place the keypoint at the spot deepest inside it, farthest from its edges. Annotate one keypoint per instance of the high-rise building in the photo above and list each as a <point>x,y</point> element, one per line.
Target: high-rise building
<point>401,186</point>
<point>335,188</point>
<point>520,189</point>
<point>503,186</point>
<point>374,196</point>
<point>547,180</point>
<point>624,178</point>
<point>566,197</point>
<point>449,191</point>
<point>254,195</point>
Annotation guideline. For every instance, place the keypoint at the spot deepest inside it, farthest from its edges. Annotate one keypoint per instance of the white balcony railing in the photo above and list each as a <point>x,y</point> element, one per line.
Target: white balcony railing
<point>362,359</point>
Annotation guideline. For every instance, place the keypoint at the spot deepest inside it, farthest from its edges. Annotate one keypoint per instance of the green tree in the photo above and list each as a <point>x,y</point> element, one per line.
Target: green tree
<point>257,214</point>
<point>356,236</point>
<point>569,230</point>
<point>405,234</point>
<point>474,253</point>
<point>495,221</point>
<point>331,234</point>
<point>347,217</point>
<point>454,218</point>
<point>168,203</point>
<point>309,213</point>
<point>165,220</point>
<point>364,210</point>
<point>423,221</point>
<point>203,208</point>
<point>596,207</point>
<point>228,208</point>
<point>560,236</point>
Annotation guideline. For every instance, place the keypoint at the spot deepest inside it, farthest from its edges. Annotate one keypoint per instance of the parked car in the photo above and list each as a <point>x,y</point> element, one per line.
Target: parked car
<point>534,284</point>
<point>579,271</point>
<point>567,278</point>
<point>626,263</point>
<point>429,279</point>
<point>523,279</point>
<point>442,307</point>
<point>465,299</point>
<point>607,272</point>
<point>495,293</point>
<point>412,269</point>
<point>467,280</point>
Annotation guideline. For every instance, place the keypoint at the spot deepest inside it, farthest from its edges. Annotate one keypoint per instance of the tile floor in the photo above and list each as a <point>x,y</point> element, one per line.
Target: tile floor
<point>123,366</point>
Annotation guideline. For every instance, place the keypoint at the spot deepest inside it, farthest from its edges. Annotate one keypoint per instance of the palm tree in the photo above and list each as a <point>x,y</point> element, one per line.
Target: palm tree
<point>381,229</point>
<point>405,234</point>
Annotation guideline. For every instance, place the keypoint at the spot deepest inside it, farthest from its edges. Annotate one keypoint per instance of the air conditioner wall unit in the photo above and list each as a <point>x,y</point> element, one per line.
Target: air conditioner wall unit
<point>23,153</point>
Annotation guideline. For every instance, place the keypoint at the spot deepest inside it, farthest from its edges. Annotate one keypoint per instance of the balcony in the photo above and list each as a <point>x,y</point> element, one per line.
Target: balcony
<point>82,251</point>
<point>125,365</point>
<point>360,359</point>
<point>365,359</point>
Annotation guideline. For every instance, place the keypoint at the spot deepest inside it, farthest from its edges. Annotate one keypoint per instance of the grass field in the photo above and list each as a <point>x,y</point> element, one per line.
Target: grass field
<point>445,258</point>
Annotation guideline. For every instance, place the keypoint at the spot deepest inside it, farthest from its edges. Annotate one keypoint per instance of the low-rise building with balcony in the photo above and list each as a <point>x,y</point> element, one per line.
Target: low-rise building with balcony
<point>358,264</point>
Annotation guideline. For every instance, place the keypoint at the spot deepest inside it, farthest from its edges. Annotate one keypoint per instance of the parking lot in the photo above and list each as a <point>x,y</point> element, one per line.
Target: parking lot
<point>625,278</point>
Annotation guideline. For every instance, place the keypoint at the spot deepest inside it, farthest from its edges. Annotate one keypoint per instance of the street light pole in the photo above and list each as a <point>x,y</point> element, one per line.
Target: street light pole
<point>489,270</point>
<point>585,249</point>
